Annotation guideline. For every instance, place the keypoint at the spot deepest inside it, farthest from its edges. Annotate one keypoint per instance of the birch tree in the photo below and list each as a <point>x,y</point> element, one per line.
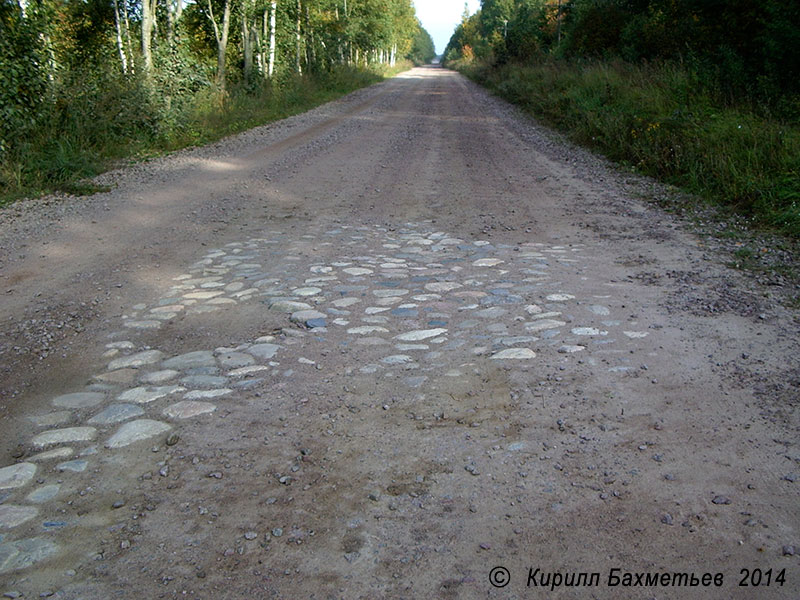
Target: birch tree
<point>221,35</point>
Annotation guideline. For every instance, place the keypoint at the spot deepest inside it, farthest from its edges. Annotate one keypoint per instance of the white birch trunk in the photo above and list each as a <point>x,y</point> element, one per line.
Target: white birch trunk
<point>272,17</point>
<point>120,46</point>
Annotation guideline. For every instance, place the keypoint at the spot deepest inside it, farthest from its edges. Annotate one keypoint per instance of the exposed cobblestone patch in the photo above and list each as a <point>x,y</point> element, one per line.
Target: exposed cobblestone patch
<point>423,304</point>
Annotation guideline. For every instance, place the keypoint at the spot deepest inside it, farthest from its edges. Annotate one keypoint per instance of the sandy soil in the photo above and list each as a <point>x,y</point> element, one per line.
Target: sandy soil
<point>585,386</point>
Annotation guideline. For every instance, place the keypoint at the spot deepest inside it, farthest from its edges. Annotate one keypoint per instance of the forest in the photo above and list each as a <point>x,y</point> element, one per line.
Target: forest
<point>87,82</point>
<point>704,94</point>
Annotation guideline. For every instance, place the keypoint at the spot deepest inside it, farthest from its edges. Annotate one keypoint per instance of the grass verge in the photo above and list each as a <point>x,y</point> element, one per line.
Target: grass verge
<point>660,120</point>
<point>92,129</point>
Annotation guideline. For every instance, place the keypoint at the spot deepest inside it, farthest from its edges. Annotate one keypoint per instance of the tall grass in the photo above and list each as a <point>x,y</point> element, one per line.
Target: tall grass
<point>662,121</point>
<point>92,121</point>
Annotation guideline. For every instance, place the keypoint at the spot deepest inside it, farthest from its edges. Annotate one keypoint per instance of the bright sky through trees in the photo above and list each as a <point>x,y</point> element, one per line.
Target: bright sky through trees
<point>440,18</point>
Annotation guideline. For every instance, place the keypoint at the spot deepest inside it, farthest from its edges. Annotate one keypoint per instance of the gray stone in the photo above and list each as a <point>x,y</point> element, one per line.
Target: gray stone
<point>289,306</point>
<point>203,394</point>
<point>543,324</point>
<point>134,361</point>
<point>12,515</point>
<point>51,419</point>
<point>263,351</point>
<point>515,354</point>
<point>234,360</point>
<point>117,413</point>
<point>63,452</point>
<point>76,466</point>
<point>159,376</point>
<point>79,400</point>
<point>491,313</point>
<point>199,358</point>
<point>24,553</point>
<point>206,381</point>
<point>43,494</point>
<point>396,359</point>
<point>420,334</point>
<point>135,431</point>
<point>187,409</point>
<point>301,316</point>
<point>143,395</point>
<point>60,436</point>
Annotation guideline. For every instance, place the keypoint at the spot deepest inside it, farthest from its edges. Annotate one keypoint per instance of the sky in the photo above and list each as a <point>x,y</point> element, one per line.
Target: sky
<point>440,18</point>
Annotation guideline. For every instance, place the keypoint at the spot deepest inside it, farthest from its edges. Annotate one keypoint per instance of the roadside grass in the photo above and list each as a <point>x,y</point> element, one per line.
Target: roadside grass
<point>89,131</point>
<point>660,120</point>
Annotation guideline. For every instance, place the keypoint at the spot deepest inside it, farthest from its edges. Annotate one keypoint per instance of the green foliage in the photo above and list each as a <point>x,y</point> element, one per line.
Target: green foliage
<point>422,49</point>
<point>656,119</point>
<point>75,93</point>
<point>739,48</point>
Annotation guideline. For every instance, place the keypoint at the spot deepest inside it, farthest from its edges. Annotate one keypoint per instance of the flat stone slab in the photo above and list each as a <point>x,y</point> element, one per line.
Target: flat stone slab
<point>15,476</point>
<point>544,324</point>
<point>136,431</point>
<point>367,329</point>
<point>63,452</point>
<point>289,306</point>
<point>442,286</point>
<point>570,349</point>
<point>588,331</point>
<point>188,409</point>
<point>397,359</point>
<point>205,381</point>
<point>123,376</point>
<point>51,419</point>
<point>199,358</point>
<point>203,394</point>
<point>12,515</point>
<point>75,466</point>
<point>134,361</point>
<point>491,313</point>
<point>234,360</point>
<point>79,400</point>
<point>143,395</point>
<point>560,297</point>
<point>420,334</point>
<point>66,435</point>
<point>487,262</point>
<point>345,302</point>
<point>117,413</point>
<point>263,351</point>
<point>43,494</point>
<point>25,553</point>
<point>160,376</point>
<point>301,316</point>
<point>307,291</point>
<point>356,271</point>
<point>515,354</point>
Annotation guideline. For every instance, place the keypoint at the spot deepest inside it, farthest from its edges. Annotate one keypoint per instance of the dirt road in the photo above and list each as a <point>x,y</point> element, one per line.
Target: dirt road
<point>377,351</point>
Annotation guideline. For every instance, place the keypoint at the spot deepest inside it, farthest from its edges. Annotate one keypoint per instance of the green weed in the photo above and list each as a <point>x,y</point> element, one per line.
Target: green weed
<point>657,119</point>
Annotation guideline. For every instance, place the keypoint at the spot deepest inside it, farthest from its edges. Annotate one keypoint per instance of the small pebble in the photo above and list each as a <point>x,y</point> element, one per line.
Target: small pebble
<point>721,500</point>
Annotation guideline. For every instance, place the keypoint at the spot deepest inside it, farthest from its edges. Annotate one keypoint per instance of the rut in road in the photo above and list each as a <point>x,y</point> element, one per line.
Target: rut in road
<point>441,358</point>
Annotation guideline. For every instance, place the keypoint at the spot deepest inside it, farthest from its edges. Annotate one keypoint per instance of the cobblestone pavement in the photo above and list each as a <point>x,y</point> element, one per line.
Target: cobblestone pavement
<point>429,401</point>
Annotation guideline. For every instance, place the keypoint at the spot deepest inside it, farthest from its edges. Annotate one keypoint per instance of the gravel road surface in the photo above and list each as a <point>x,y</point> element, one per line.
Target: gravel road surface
<point>409,344</point>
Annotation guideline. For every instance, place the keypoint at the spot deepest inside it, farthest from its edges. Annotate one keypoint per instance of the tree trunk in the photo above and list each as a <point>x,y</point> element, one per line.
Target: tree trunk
<point>148,19</point>
<point>271,68</point>
<point>120,47</point>
<point>297,66</point>
<point>174,12</point>
<point>247,44</point>
<point>128,40</point>
<point>221,35</point>
<point>311,51</point>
